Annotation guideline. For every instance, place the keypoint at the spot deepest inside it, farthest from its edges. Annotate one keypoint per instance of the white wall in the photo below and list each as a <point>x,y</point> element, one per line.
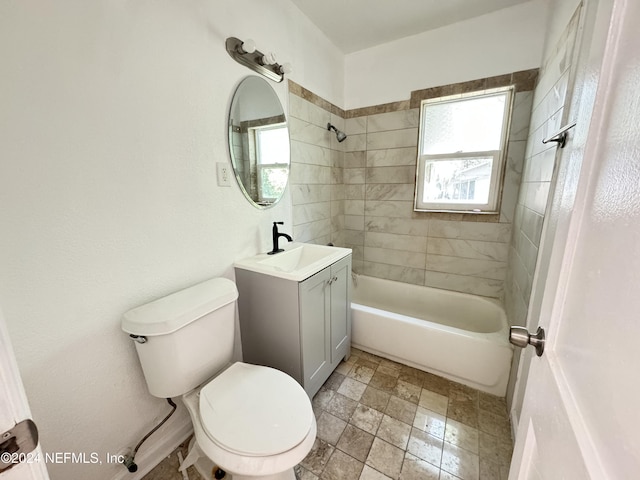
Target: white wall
<point>113,117</point>
<point>505,41</point>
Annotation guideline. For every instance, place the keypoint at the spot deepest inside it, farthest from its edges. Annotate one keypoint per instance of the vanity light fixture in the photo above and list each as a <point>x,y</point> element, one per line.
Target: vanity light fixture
<point>265,64</point>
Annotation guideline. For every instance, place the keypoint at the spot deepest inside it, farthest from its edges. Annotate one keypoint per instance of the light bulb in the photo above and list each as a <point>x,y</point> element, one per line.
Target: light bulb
<point>269,58</point>
<point>248,46</point>
<point>285,68</point>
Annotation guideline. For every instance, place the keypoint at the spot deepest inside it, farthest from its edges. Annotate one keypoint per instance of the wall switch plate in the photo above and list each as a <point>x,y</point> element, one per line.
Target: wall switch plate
<point>224,175</point>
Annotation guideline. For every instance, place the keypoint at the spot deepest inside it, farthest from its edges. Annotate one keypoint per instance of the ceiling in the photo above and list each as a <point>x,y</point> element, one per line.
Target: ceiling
<point>354,25</point>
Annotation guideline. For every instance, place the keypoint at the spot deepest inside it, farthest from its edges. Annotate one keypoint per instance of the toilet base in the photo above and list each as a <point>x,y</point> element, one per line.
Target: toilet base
<point>206,467</point>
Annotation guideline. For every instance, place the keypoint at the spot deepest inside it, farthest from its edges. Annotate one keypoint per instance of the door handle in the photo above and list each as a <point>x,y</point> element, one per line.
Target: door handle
<point>520,337</point>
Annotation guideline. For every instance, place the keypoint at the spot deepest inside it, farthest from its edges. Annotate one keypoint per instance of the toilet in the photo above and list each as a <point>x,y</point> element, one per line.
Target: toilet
<point>253,422</point>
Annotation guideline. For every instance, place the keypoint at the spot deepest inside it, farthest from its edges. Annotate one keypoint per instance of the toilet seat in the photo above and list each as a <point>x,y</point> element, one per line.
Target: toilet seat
<point>256,411</point>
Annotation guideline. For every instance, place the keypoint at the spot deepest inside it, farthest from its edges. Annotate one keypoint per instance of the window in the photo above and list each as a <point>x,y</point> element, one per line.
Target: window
<point>272,153</point>
<point>461,151</point>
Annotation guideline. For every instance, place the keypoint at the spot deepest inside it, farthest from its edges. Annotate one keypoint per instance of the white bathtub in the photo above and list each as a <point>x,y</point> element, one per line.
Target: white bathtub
<point>455,335</point>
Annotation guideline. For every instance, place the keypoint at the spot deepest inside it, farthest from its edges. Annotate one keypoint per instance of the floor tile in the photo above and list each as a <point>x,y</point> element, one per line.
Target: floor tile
<point>493,404</point>
<point>334,381</point>
<point>459,462</point>
<point>392,372</point>
<point>436,384</point>
<point>302,473</point>
<point>407,391</point>
<point>363,362</point>
<point>361,373</point>
<point>322,398</point>
<point>414,468</point>
<point>433,401</point>
<point>374,398</point>
<point>352,388</point>
<point>330,428</point>
<point>383,381</point>
<point>342,467</point>
<point>355,442</point>
<point>385,458</point>
<point>318,457</point>
<point>369,473</point>
<point>425,446</point>
<point>341,407</point>
<point>366,418</point>
<point>493,424</point>
<point>430,422</point>
<point>394,431</point>
<point>401,410</point>
<point>461,435</point>
<point>412,375</point>
<point>463,412</point>
<point>344,368</point>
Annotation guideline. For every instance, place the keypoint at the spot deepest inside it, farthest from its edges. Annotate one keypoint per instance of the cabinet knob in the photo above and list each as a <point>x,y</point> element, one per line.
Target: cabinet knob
<point>332,279</point>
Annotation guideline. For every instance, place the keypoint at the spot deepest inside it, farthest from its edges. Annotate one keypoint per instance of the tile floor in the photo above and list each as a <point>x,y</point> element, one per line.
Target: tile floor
<point>379,420</point>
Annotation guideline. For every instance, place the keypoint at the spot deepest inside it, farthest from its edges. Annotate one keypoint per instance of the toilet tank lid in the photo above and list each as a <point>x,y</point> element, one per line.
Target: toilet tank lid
<point>170,313</point>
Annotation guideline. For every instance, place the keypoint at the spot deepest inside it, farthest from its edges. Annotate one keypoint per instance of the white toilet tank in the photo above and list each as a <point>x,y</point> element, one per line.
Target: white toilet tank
<point>189,336</point>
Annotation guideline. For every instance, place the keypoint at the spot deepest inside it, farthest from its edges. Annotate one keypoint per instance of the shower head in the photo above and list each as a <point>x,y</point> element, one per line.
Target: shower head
<point>341,136</point>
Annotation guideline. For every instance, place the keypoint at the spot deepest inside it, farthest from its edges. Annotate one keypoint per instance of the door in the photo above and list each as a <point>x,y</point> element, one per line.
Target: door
<point>580,417</point>
<point>13,410</point>
<point>340,309</point>
<point>315,311</point>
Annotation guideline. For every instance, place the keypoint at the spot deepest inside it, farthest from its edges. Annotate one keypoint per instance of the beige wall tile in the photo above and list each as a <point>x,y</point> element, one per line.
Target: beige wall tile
<point>489,232</point>
<point>303,174</point>
<point>391,174</point>
<point>463,283</point>
<point>354,159</point>
<point>466,266</point>
<point>393,241</point>
<point>354,126</point>
<point>353,175</point>
<point>355,142</point>
<point>393,121</point>
<point>387,208</point>
<point>468,249</point>
<point>394,257</point>
<point>403,226</point>
<point>392,157</point>
<point>384,191</point>
<point>310,154</point>
<point>393,139</point>
<point>394,272</point>
<point>303,110</point>
<point>302,194</point>
<point>309,133</point>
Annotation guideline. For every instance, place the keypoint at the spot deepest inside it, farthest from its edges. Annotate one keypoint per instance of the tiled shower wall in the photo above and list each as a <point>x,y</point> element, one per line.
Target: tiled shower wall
<point>550,105</point>
<point>316,185</point>
<point>453,251</point>
<point>359,194</point>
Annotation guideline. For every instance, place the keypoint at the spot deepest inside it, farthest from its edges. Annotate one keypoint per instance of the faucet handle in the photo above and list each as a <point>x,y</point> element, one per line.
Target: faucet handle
<point>278,223</point>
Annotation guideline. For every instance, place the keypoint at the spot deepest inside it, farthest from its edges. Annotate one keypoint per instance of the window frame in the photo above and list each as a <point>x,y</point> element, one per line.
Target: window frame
<point>498,165</point>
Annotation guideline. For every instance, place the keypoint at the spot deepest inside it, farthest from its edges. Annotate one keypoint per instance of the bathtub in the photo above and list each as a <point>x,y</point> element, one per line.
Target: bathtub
<point>455,335</point>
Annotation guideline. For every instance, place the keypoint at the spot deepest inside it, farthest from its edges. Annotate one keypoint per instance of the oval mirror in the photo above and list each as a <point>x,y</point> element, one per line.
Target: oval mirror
<point>259,142</point>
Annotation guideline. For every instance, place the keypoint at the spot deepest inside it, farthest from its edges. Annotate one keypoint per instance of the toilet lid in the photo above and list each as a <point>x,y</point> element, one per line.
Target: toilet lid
<point>254,410</point>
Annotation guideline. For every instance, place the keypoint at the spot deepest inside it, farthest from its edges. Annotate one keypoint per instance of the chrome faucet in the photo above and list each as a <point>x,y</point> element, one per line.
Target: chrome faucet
<point>276,235</point>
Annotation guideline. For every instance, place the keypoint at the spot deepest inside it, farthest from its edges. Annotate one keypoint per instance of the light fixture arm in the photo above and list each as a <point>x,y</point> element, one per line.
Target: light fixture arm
<point>264,64</point>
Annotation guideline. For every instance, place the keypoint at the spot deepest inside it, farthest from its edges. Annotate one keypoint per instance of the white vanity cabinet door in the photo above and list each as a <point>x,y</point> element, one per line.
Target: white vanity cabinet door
<point>315,329</point>
<point>340,310</point>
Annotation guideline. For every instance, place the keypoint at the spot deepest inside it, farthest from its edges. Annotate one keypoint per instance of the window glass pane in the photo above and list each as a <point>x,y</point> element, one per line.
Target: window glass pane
<point>472,125</point>
<point>453,181</point>
<point>273,145</point>
<point>273,181</point>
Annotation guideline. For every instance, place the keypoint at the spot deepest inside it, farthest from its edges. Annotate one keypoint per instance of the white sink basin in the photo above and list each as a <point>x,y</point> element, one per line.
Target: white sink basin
<point>297,262</point>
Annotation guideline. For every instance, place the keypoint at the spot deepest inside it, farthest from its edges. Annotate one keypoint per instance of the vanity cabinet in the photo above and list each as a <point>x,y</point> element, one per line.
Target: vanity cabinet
<point>302,328</point>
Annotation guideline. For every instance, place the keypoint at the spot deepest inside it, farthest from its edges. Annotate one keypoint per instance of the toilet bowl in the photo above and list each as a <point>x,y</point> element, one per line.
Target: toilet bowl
<point>252,421</point>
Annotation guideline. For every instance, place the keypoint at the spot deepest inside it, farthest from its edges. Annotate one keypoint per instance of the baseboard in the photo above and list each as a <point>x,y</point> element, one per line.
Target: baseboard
<point>154,453</point>
<point>514,423</point>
